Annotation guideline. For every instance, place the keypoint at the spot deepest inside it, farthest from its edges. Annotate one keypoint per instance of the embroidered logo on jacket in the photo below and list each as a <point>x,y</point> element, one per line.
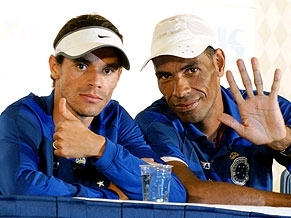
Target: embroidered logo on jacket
<point>239,171</point>
<point>205,165</point>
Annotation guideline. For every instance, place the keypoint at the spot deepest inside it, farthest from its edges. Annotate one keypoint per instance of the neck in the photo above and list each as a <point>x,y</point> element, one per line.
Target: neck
<point>214,135</point>
<point>211,125</point>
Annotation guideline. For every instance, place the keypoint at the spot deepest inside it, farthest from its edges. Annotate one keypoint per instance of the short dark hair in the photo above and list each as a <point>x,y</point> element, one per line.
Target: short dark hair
<point>209,51</point>
<point>80,22</point>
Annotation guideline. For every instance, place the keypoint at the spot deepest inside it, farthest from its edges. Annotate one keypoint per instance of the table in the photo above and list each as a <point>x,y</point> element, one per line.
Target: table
<point>65,207</point>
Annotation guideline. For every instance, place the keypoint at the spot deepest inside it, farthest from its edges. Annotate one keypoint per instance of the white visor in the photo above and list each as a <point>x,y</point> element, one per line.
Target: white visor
<point>78,43</point>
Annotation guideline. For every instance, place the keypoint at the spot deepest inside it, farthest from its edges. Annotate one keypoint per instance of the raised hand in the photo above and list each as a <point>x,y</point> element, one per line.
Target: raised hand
<point>262,121</point>
<point>72,139</point>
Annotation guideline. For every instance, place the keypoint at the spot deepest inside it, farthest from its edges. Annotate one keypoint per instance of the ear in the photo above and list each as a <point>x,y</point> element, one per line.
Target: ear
<point>220,61</point>
<point>54,67</point>
<point>119,73</point>
<point>118,76</point>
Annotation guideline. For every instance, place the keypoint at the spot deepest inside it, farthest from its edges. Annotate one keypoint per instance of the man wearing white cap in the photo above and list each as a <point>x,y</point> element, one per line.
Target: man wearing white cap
<point>77,141</point>
<point>207,132</point>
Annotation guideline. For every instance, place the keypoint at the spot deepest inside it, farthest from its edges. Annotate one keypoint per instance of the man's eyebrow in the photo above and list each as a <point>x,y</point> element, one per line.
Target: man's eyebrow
<point>162,72</point>
<point>114,65</point>
<point>87,60</point>
<point>189,65</point>
<point>81,59</point>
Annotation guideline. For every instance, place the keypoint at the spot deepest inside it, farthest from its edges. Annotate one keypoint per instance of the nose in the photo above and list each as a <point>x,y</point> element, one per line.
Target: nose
<point>181,87</point>
<point>95,78</point>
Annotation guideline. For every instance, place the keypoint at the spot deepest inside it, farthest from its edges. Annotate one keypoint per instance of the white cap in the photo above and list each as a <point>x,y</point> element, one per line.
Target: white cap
<point>185,36</point>
<point>82,41</point>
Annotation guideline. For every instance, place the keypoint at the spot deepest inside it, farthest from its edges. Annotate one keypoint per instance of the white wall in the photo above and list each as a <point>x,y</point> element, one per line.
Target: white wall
<point>28,28</point>
<point>273,37</point>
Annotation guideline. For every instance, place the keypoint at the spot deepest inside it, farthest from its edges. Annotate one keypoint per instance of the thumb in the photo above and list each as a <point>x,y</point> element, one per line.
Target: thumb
<point>230,121</point>
<point>64,112</point>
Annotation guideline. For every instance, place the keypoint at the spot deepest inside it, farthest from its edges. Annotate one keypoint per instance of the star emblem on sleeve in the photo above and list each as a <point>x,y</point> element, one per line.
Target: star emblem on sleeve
<point>100,183</point>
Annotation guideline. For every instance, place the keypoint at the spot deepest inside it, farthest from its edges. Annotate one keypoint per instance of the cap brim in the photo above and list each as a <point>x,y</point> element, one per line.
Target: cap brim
<point>77,54</point>
<point>83,41</point>
<point>177,51</point>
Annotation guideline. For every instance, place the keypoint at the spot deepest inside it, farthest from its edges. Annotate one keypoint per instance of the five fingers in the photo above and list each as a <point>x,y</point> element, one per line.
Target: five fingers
<point>257,76</point>
<point>234,88</point>
<point>245,78</point>
<point>276,84</point>
<point>248,83</point>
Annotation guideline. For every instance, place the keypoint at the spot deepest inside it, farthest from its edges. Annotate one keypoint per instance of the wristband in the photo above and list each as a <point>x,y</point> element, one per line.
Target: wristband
<point>287,151</point>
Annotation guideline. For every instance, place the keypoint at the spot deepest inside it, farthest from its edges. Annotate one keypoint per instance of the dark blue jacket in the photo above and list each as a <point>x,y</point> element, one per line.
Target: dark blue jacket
<point>236,161</point>
<point>29,167</point>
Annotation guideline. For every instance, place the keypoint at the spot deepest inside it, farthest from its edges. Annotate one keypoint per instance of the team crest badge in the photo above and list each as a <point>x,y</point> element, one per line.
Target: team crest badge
<point>239,171</point>
<point>81,160</point>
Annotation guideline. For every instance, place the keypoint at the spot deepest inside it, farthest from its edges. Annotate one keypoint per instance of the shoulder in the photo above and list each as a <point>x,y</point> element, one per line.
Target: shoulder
<point>30,107</point>
<point>26,117</point>
<point>17,105</point>
<point>157,115</point>
<point>157,110</point>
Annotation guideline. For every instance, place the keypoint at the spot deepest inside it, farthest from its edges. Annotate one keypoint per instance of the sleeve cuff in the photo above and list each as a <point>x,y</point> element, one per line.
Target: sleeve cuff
<point>167,159</point>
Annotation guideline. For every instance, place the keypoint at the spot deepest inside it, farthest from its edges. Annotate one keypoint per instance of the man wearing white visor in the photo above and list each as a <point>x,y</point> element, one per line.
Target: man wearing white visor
<point>77,141</point>
<point>221,141</point>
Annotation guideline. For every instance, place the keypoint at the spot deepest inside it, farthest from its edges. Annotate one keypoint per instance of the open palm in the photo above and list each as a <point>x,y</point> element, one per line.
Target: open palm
<point>262,120</point>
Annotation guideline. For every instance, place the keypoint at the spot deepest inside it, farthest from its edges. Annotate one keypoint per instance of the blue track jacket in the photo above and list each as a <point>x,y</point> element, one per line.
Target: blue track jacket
<point>236,161</point>
<point>29,167</point>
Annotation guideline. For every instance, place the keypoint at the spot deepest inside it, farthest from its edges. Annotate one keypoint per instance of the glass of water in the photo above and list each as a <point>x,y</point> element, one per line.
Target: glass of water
<point>156,181</point>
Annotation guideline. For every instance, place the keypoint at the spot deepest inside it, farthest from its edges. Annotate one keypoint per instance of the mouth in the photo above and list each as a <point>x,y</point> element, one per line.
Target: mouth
<point>91,97</point>
<point>186,106</point>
